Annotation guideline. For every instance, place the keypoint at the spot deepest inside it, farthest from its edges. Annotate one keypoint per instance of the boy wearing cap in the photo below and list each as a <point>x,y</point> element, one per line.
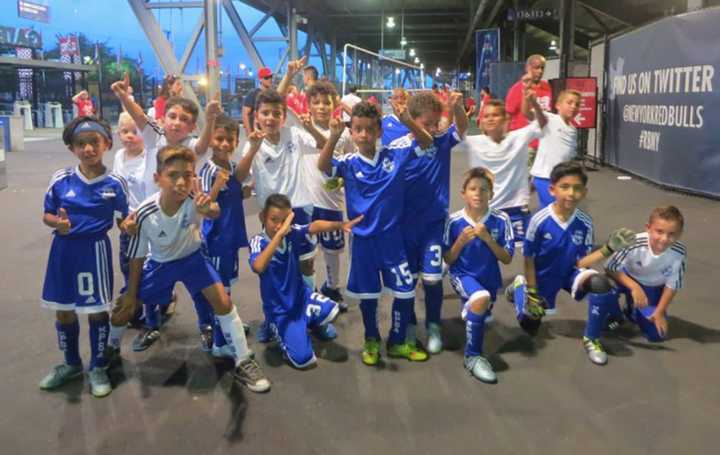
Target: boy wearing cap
<point>248,112</point>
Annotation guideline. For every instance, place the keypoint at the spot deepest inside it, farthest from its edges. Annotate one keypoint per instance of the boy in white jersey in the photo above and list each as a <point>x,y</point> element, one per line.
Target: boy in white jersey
<point>275,154</point>
<point>650,272</point>
<point>326,193</point>
<point>506,156</point>
<point>558,142</point>
<point>169,236</point>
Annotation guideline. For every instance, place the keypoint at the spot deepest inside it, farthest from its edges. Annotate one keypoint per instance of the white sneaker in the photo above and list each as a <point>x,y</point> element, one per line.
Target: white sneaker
<point>99,382</point>
<point>479,367</point>
<point>250,374</point>
<point>595,351</point>
<point>434,344</point>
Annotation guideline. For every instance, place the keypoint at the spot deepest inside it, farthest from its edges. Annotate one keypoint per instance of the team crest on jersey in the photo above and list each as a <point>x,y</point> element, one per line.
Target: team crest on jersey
<point>290,147</point>
<point>578,237</point>
<point>430,152</point>
<point>667,271</point>
<point>107,193</point>
<point>495,234</point>
<point>388,165</point>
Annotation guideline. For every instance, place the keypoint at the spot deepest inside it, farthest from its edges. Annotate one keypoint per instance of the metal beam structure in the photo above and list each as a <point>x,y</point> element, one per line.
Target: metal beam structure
<point>212,65</point>
<point>243,34</point>
<point>471,29</point>
<point>194,37</point>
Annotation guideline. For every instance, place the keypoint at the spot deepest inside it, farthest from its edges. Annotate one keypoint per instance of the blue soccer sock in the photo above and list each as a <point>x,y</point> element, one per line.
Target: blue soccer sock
<point>98,342</point>
<point>368,308</point>
<point>614,309</point>
<point>203,310</point>
<point>401,311</point>
<point>519,301</point>
<point>598,306</point>
<point>475,333</point>
<point>68,343</point>
<point>152,315</point>
<point>433,302</point>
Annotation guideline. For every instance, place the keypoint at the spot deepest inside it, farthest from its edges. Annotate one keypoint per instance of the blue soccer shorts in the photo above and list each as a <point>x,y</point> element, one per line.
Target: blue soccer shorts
<point>572,283</point>
<point>79,275</point>
<point>641,316</point>
<point>227,267</point>
<point>542,189</point>
<point>159,278</point>
<point>470,289</point>
<point>331,242</point>
<point>293,328</point>
<point>379,261</point>
<point>423,245</point>
<point>303,216</point>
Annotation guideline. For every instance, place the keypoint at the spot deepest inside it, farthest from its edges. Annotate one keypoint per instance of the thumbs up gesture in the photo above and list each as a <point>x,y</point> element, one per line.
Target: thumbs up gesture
<point>62,225</point>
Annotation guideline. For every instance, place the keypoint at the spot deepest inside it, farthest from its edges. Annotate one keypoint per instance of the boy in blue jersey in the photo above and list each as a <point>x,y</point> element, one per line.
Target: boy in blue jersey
<point>476,238</point>
<point>392,127</point>
<point>558,249</point>
<point>81,205</point>
<point>427,195</point>
<point>167,249</point>
<point>375,187</point>
<point>288,302</point>
<point>224,236</point>
<point>650,272</point>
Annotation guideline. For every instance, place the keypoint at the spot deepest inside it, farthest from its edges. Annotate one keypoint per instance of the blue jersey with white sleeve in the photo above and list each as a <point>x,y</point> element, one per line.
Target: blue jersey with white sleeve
<point>556,246</point>
<point>428,178</point>
<point>92,205</point>
<point>226,233</point>
<point>375,187</point>
<point>477,259</point>
<point>392,129</point>
<point>281,284</point>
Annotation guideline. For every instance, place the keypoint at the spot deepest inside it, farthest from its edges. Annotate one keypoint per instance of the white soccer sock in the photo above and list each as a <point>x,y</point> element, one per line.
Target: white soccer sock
<point>232,329</point>
<point>332,269</point>
<point>116,334</point>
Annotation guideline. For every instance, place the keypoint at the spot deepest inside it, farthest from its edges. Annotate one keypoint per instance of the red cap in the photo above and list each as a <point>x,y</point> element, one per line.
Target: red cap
<point>264,72</point>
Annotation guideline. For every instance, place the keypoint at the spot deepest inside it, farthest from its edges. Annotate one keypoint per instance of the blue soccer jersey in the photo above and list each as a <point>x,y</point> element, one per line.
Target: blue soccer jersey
<point>375,187</point>
<point>477,259</point>
<point>392,129</point>
<point>281,284</point>
<point>92,205</point>
<point>226,233</point>
<point>556,246</point>
<point>428,178</point>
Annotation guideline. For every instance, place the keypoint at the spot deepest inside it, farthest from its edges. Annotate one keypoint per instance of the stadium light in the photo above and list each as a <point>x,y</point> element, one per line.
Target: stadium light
<point>397,70</point>
<point>390,22</point>
<point>203,81</point>
<point>242,67</point>
<point>412,53</point>
<point>417,60</point>
<point>403,42</point>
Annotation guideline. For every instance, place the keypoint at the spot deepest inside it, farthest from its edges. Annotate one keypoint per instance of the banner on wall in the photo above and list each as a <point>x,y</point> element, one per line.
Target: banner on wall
<point>663,111</point>
<point>487,51</point>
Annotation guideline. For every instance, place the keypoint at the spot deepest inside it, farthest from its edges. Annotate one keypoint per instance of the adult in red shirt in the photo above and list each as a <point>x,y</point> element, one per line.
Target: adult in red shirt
<point>172,86</point>
<point>534,70</point>
<point>84,104</point>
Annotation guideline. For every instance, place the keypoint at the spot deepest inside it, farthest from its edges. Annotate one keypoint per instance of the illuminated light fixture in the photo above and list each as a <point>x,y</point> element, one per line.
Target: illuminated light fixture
<point>390,22</point>
<point>203,81</point>
<point>397,70</point>
<point>469,74</point>
<point>422,66</point>
<point>250,73</point>
<point>417,60</point>
<point>403,42</point>
<point>242,67</point>
<point>438,70</point>
<point>412,53</point>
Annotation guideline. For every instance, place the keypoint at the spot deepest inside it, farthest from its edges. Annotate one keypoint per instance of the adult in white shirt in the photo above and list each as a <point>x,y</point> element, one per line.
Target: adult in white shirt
<point>348,102</point>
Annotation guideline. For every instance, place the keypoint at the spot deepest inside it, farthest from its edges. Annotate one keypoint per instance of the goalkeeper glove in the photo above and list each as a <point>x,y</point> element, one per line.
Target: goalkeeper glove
<point>619,239</point>
<point>535,304</point>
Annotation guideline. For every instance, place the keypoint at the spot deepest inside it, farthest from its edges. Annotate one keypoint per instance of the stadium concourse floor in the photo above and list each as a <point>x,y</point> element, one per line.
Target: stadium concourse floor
<point>174,399</point>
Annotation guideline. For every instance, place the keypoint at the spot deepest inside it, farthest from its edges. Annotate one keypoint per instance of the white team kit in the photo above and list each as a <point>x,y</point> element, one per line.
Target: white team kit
<point>558,143</point>
<point>650,269</point>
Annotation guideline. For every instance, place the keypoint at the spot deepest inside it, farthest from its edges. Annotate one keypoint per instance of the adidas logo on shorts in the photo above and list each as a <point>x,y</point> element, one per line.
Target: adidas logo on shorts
<point>90,299</point>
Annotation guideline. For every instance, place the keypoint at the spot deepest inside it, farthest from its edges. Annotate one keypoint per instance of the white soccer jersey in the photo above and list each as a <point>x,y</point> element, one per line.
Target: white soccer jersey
<point>279,168</point>
<point>507,160</point>
<point>165,238</point>
<point>133,171</point>
<point>650,269</point>
<point>351,100</point>
<point>316,179</point>
<point>558,143</point>
<point>155,139</point>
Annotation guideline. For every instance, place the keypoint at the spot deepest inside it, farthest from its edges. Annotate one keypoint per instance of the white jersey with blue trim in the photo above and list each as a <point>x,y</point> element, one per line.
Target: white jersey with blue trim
<point>476,258</point>
<point>165,238</point>
<point>132,169</point>
<point>375,187</point>
<point>556,246</point>
<point>650,269</point>
<point>281,284</point>
<point>92,205</point>
<point>427,177</point>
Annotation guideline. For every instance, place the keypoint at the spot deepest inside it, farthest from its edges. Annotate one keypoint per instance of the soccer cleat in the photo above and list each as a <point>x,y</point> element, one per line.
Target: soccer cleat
<point>434,343</point>
<point>479,367</point>
<point>112,357</point>
<point>266,333</point>
<point>325,332</point>
<point>334,295</point>
<point>371,352</point>
<point>530,326</point>
<point>595,351</point>
<point>99,382</point>
<point>250,374</point>
<point>223,352</point>
<point>411,334</point>
<point>206,338</point>
<point>60,375</point>
<point>146,338</point>
<point>407,351</point>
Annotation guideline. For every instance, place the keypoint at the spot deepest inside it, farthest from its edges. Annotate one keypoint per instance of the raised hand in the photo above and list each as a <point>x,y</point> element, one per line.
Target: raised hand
<point>336,127</point>
<point>348,225</point>
<point>456,99</point>
<point>400,110</point>
<point>120,88</point>
<point>63,223</point>
<point>287,225</point>
<point>222,176</point>
<point>256,137</point>
<point>296,65</point>
<point>129,225</point>
<point>202,202</point>
<point>306,120</point>
<point>213,108</point>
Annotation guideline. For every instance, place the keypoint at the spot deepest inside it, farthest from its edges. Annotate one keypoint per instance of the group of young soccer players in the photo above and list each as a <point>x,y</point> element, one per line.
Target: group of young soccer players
<point>180,212</point>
